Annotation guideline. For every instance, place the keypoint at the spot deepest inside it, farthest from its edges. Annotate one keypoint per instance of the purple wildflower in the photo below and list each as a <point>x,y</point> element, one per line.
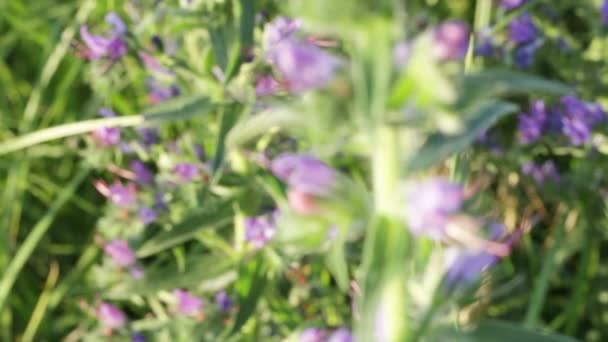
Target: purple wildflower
<point>223,301</point>
<point>138,337</point>
<point>605,12</point>
<point>137,273</point>
<point>303,65</point>
<point>149,135</point>
<point>523,30</point>
<point>541,173</point>
<point>120,252</point>
<point>187,172</point>
<point>466,265</point>
<point>532,125</point>
<point>260,230</point>
<point>119,26</point>
<point>187,303</point>
<point>100,47</point>
<point>511,4</point>
<point>266,86</point>
<point>111,316</point>
<point>525,55</point>
<point>304,173</point>
<point>451,40</point>
<point>485,48</point>
<point>143,175</point>
<point>430,204</point>
<point>159,92</point>
<point>107,136</point>
<point>122,195</point>
<point>313,335</point>
<point>341,335</point>
<point>147,215</point>
<point>281,28</point>
<point>579,118</point>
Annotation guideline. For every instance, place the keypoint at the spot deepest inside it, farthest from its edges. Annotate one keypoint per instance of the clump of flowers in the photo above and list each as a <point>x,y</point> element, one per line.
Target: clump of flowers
<point>526,36</point>
<point>300,63</point>
<point>572,118</point>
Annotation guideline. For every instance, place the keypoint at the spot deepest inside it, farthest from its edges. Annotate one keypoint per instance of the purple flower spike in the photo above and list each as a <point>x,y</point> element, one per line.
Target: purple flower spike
<point>120,28</point>
<point>313,335</point>
<point>304,173</point>
<point>99,47</point>
<point>121,195</point>
<point>511,4</point>
<point>451,40</point>
<point>143,175</point>
<point>111,316</point>
<point>341,335</point>
<point>120,252</point>
<point>304,66</point>
<point>579,118</point>
<point>259,230</point>
<point>523,30</point>
<point>188,304</point>
<point>187,172</point>
<point>223,301</point>
<point>532,125</point>
<point>147,215</point>
<point>430,204</point>
<point>605,12</point>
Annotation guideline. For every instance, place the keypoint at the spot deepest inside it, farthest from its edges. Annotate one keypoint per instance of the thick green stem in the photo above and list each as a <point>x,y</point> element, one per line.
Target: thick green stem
<point>385,169</point>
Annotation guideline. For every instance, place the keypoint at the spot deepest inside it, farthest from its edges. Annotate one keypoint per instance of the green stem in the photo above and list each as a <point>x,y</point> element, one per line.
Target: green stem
<point>385,170</point>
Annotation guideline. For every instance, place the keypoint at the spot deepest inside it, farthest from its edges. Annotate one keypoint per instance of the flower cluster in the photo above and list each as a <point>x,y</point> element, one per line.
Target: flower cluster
<point>113,47</point>
<point>300,63</point>
<point>572,118</point>
<point>526,36</point>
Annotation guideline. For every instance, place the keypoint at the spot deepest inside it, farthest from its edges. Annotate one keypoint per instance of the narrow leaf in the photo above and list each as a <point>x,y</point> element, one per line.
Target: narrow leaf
<point>177,109</point>
<point>209,218</point>
<point>249,287</point>
<point>439,146</point>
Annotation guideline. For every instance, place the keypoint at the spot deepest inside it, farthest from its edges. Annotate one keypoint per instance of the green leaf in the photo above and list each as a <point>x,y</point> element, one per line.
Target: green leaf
<point>496,331</point>
<point>249,288</point>
<point>440,146</point>
<point>209,218</point>
<point>493,83</point>
<point>178,109</point>
<point>229,118</point>
<point>337,265</point>
<point>260,123</point>
<point>207,272</point>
